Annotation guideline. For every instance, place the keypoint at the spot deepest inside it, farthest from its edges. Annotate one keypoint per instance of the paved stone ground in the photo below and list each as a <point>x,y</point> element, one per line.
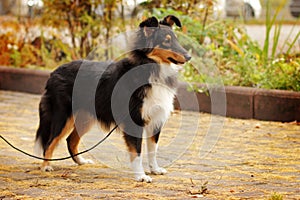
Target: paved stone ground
<point>232,158</point>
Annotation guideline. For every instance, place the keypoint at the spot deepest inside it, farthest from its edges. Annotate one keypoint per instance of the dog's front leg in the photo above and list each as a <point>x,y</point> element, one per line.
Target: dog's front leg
<point>138,170</point>
<point>135,145</point>
<point>152,146</point>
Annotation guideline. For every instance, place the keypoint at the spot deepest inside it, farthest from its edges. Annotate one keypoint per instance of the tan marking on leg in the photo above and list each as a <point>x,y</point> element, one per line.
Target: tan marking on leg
<point>153,139</point>
<point>66,130</point>
<point>132,152</point>
<point>83,123</point>
<point>74,137</point>
<point>73,141</point>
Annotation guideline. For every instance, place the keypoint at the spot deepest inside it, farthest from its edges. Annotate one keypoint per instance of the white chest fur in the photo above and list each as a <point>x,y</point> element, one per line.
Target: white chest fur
<point>158,103</point>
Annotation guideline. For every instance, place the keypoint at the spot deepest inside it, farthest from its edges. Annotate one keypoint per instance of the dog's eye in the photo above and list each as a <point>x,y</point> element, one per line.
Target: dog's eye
<point>167,41</point>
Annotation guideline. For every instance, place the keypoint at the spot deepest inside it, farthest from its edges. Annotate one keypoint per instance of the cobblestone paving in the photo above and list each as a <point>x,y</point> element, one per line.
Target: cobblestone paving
<point>240,159</point>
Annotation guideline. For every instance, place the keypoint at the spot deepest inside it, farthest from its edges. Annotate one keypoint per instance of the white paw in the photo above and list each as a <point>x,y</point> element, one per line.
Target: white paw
<point>82,161</point>
<point>47,168</point>
<point>143,178</point>
<point>159,171</point>
<point>85,161</point>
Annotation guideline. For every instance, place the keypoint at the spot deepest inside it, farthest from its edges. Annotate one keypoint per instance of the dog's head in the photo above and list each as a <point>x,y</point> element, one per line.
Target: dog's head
<point>162,41</point>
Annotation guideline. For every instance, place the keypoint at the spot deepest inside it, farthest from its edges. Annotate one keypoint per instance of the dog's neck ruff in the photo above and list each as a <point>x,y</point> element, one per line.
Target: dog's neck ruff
<point>158,103</point>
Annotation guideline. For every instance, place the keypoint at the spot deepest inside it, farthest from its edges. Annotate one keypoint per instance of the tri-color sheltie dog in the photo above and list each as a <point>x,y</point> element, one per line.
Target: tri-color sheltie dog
<point>66,111</point>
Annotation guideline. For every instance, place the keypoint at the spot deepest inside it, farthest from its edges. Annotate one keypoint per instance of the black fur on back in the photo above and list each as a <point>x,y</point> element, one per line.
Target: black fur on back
<point>56,103</point>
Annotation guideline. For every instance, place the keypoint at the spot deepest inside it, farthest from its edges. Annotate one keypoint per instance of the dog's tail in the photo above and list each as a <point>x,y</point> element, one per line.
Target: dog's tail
<point>43,134</point>
<point>38,148</point>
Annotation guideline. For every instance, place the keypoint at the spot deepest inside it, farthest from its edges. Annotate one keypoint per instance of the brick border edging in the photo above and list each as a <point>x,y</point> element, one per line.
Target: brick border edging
<point>241,102</point>
<point>23,80</point>
<point>249,103</point>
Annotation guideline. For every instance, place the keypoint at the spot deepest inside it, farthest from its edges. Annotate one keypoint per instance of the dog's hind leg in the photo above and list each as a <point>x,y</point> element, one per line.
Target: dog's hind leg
<point>61,127</point>
<point>82,125</point>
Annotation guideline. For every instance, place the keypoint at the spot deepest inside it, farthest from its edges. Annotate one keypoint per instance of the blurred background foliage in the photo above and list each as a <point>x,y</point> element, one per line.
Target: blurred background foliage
<point>70,29</point>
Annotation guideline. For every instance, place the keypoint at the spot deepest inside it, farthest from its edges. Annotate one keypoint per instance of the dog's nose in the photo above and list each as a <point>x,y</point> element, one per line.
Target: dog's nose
<point>187,57</point>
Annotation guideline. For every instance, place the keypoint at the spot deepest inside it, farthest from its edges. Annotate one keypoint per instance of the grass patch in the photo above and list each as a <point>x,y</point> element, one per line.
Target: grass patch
<point>276,196</point>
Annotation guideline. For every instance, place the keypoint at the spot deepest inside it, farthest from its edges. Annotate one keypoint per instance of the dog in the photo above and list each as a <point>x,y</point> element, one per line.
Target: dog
<point>149,90</point>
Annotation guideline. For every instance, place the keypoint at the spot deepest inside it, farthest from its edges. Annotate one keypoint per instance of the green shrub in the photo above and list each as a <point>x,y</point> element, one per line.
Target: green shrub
<point>224,52</point>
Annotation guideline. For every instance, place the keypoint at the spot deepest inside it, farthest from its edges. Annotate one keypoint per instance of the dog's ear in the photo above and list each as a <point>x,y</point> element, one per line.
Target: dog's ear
<point>149,25</point>
<point>170,20</point>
